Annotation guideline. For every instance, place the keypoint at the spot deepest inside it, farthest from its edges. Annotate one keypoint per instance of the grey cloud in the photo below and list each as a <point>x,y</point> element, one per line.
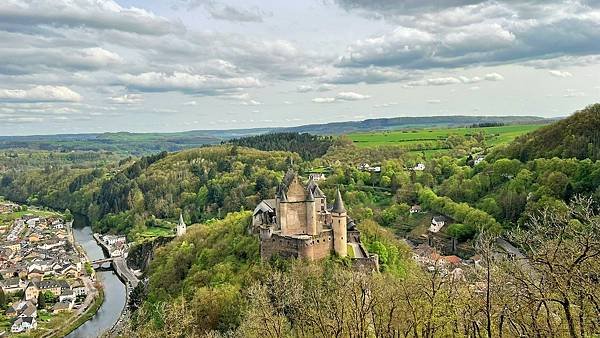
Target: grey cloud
<point>87,13</point>
<point>491,38</point>
<point>31,60</point>
<point>230,13</point>
<point>220,11</point>
<point>370,74</point>
<point>185,83</point>
<point>382,8</point>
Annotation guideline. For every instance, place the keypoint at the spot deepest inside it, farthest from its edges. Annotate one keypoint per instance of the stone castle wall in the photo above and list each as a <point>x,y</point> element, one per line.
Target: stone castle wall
<point>295,218</point>
<point>317,247</point>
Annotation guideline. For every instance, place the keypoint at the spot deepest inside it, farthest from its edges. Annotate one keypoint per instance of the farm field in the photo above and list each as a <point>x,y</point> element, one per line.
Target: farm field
<point>494,135</point>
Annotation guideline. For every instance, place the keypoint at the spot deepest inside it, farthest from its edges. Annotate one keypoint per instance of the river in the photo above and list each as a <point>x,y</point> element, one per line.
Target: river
<point>114,290</point>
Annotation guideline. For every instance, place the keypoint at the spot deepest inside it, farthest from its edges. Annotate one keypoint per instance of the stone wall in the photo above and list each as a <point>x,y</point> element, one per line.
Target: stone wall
<point>317,247</point>
<point>367,265</point>
<point>295,218</point>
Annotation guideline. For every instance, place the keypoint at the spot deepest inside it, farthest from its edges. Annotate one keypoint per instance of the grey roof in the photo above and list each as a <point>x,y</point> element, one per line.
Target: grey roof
<point>310,196</point>
<point>283,196</point>
<point>439,218</point>
<point>318,192</point>
<point>265,206</point>
<point>338,204</point>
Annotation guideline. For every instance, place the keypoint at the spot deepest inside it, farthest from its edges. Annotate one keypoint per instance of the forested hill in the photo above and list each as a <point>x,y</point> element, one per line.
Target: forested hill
<point>149,143</point>
<point>306,145</point>
<point>577,136</point>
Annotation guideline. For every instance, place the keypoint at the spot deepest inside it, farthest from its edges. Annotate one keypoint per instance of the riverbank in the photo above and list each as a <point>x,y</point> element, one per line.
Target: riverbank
<point>80,320</point>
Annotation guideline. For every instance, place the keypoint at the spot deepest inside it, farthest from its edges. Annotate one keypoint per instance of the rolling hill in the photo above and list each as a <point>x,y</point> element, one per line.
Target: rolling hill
<point>577,136</point>
<point>147,143</point>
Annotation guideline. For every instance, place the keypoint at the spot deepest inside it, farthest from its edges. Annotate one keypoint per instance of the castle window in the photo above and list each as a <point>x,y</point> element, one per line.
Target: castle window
<point>317,241</point>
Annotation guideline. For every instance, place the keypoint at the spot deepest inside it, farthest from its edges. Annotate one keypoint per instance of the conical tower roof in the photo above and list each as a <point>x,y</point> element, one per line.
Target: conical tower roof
<point>338,204</point>
<point>181,222</point>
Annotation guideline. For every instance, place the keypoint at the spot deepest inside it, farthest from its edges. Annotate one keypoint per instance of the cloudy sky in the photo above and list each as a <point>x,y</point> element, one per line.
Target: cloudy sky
<point>71,66</point>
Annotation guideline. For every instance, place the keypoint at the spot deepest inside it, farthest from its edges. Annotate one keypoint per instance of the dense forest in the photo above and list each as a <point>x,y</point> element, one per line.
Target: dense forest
<point>578,137</point>
<point>211,282</point>
<point>306,145</point>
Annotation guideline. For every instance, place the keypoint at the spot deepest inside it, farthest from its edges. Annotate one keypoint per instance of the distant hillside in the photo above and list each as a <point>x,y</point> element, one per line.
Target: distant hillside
<point>576,136</point>
<point>147,143</point>
<point>306,145</point>
<point>412,122</point>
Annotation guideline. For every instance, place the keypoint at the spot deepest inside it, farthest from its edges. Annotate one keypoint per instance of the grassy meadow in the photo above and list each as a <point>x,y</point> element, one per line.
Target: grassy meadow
<point>432,136</point>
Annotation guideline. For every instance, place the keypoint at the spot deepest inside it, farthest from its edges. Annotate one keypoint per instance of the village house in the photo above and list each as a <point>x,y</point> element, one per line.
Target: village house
<point>67,295</point>
<point>13,285</point>
<point>23,325</point>
<point>22,309</point>
<point>62,306</point>
<point>316,177</point>
<point>419,167</point>
<point>437,223</point>
<point>415,209</point>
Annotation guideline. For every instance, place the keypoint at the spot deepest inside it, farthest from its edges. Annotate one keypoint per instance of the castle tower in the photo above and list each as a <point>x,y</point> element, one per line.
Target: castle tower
<point>282,213</point>
<point>338,224</point>
<point>311,214</point>
<point>181,227</point>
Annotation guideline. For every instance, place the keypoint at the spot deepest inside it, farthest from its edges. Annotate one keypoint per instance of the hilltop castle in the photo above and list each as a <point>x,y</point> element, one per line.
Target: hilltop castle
<point>298,223</point>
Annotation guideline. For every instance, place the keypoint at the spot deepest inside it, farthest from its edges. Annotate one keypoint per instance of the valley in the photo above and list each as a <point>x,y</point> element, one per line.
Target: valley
<point>430,218</point>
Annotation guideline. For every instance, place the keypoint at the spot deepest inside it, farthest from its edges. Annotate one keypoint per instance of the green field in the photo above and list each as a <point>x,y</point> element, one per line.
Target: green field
<point>493,135</point>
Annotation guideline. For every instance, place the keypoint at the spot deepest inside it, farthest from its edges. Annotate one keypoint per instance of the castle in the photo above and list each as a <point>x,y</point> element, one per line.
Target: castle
<point>299,223</point>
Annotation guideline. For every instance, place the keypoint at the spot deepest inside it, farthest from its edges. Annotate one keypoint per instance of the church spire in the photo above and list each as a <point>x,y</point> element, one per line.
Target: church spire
<point>181,227</point>
<point>338,204</point>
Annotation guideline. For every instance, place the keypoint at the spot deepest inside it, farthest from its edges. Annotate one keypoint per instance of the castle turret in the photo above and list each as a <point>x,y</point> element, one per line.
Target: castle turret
<point>311,214</point>
<point>181,227</point>
<point>338,224</point>
<point>282,212</point>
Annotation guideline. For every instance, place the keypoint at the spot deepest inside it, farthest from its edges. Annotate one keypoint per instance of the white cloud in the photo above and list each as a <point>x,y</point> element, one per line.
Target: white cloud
<point>40,94</point>
<point>304,89</point>
<point>351,96</point>
<point>434,101</point>
<point>494,77</point>
<point>559,73</point>
<point>251,103</point>
<point>323,100</point>
<point>571,93</point>
<point>190,103</point>
<point>127,99</point>
<point>342,96</point>
<point>450,80</point>
<point>325,87</point>
<point>385,105</point>
<point>186,83</point>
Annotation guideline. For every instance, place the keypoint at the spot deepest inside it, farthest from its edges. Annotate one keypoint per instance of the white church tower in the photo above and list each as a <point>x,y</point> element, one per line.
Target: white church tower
<point>181,227</point>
